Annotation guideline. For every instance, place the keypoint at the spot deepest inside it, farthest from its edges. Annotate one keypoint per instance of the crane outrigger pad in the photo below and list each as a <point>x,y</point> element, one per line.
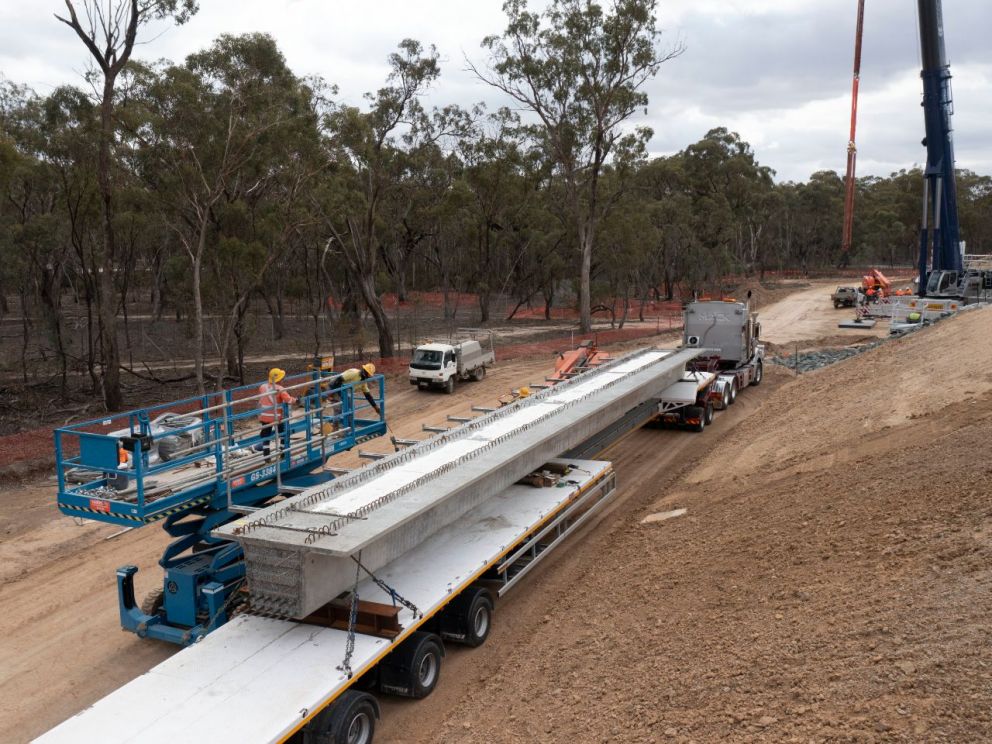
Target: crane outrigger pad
<point>868,323</point>
<point>299,552</point>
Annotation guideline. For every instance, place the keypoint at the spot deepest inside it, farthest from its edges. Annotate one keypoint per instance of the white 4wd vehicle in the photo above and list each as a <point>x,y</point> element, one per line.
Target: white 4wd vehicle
<point>441,365</point>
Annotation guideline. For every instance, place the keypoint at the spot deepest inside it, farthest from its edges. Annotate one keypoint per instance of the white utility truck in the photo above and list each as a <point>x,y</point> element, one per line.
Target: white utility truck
<point>441,365</point>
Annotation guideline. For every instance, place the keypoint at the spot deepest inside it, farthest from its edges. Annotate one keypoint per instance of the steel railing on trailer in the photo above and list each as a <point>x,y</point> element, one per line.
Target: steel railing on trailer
<point>147,464</point>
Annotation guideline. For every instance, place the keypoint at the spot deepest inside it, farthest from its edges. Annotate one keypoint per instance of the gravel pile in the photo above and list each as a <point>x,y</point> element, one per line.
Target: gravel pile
<point>811,360</point>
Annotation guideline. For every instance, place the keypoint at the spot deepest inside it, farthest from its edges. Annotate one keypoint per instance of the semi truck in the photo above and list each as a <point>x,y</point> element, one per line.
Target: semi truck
<point>441,365</point>
<point>729,331</point>
<point>265,678</point>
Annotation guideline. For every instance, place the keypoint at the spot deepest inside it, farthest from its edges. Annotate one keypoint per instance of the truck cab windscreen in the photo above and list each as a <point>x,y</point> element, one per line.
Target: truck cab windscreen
<point>426,359</point>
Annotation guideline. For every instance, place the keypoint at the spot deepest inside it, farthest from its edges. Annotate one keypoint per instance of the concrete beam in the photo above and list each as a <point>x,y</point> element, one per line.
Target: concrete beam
<point>299,553</point>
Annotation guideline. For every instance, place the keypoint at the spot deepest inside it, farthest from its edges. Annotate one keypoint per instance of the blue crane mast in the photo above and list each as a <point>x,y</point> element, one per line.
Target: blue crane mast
<point>940,263</point>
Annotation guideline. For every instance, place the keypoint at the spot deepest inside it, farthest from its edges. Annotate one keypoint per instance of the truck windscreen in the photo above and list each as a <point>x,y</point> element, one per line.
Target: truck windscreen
<point>426,359</point>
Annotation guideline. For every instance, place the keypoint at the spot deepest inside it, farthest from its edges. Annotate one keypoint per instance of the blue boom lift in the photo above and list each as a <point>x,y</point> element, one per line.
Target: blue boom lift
<point>195,464</point>
<point>940,266</point>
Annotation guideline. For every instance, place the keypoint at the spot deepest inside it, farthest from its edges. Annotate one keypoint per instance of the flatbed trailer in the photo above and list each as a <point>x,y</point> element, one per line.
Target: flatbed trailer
<point>259,679</point>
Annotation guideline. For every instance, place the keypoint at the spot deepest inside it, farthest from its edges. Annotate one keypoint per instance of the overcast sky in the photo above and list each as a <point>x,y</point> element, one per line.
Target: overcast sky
<point>776,71</point>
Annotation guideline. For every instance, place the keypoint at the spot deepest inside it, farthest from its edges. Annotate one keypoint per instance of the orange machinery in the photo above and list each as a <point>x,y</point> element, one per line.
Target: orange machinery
<point>584,357</point>
<point>881,284</point>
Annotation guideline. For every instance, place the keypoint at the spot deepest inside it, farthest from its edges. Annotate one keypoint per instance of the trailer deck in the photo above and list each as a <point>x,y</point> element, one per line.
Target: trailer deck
<point>270,676</point>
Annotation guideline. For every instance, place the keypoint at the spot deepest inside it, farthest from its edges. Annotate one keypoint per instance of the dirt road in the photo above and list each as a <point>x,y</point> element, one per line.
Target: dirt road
<point>808,315</point>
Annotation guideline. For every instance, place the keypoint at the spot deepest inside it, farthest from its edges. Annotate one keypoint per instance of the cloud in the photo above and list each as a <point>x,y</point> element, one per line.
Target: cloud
<point>776,71</point>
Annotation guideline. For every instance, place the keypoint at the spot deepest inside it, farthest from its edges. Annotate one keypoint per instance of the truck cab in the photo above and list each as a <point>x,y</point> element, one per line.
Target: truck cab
<point>432,364</point>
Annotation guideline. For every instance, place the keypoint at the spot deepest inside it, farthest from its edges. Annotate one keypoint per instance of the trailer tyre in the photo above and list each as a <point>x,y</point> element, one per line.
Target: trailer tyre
<point>351,720</point>
<point>708,413</point>
<point>426,667</point>
<point>469,618</point>
<point>699,414</point>
<point>414,668</point>
<point>759,372</point>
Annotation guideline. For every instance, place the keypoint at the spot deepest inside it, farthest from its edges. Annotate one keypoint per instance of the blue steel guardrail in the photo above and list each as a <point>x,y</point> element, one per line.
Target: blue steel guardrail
<point>228,425</point>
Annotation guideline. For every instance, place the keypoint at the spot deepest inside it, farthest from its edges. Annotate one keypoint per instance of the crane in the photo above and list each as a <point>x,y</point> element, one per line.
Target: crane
<point>852,150</point>
<point>940,268</point>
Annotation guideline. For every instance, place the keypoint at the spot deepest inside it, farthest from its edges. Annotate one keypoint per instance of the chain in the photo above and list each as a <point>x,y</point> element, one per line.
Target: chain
<point>349,647</point>
<point>394,595</point>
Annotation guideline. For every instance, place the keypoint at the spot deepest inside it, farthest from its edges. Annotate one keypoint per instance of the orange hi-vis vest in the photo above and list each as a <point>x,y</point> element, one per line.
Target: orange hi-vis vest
<point>273,396</point>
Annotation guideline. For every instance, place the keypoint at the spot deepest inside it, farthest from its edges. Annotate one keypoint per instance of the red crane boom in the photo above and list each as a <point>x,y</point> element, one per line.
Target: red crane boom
<point>852,150</point>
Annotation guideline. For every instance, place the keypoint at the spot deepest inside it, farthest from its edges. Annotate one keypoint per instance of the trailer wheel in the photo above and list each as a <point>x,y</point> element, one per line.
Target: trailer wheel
<point>426,668</point>
<point>759,372</point>
<point>708,413</point>
<point>469,618</point>
<point>351,720</point>
<point>414,668</point>
<point>449,386</point>
<point>699,414</point>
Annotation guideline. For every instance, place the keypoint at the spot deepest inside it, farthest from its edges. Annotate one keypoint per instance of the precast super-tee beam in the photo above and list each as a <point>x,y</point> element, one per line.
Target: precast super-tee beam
<point>299,552</point>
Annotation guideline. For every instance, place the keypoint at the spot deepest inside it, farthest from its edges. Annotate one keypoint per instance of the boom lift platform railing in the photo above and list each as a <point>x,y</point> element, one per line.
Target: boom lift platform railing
<point>195,464</point>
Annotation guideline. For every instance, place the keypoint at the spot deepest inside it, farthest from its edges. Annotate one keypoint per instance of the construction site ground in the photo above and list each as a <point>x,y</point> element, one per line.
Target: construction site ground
<point>829,580</point>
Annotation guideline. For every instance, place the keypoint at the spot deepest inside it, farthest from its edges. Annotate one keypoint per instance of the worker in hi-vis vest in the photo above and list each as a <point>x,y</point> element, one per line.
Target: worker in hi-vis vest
<point>358,375</point>
<point>271,397</point>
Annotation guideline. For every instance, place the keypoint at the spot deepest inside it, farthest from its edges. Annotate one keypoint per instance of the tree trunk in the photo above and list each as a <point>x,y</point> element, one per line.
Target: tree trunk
<point>644,299</point>
<point>275,314</point>
<point>25,335</point>
<point>51,302</point>
<point>106,303</point>
<point>585,271</point>
<point>484,302</point>
<point>198,308</point>
<point>626,308</point>
<point>366,284</point>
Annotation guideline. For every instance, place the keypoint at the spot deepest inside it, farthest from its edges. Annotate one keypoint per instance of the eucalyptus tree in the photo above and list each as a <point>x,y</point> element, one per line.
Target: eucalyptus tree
<point>501,175</point>
<point>365,149</point>
<point>109,31</point>
<point>221,131</point>
<point>579,70</point>
<point>730,190</point>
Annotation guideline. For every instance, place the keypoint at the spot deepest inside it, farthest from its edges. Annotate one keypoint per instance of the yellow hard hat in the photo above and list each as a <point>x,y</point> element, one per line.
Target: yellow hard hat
<point>276,374</point>
<point>369,369</point>
<point>523,392</point>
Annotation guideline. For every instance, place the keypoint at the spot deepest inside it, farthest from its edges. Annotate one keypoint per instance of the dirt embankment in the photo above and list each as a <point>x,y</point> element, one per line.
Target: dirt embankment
<point>830,581</point>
